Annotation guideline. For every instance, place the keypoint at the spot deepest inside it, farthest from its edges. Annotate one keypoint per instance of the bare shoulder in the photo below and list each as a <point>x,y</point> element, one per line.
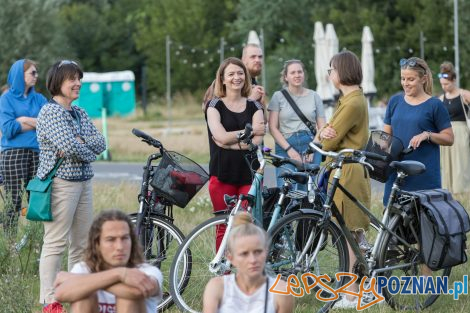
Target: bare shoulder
<point>216,285</point>
<point>466,95</point>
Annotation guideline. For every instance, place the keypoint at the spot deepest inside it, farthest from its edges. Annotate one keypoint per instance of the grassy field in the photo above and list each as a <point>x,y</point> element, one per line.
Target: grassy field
<point>19,281</point>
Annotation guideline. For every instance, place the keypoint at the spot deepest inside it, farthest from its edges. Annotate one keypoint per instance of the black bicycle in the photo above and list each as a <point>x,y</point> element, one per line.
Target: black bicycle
<point>174,180</point>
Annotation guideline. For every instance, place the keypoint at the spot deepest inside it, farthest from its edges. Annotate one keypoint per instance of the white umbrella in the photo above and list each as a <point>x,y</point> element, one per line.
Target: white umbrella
<point>367,60</point>
<point>321,64</point>
<point>253,38</point>
<point>332,44</point>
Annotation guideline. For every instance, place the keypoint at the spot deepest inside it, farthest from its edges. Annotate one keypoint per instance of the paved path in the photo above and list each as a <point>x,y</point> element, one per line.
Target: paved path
<point>132,172</point>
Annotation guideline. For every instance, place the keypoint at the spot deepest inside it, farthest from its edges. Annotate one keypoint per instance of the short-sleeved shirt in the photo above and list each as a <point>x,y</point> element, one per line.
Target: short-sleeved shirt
<point>107,301</point>
<point>310,105</point>
<point>408,121</point>
<point>230,166</point>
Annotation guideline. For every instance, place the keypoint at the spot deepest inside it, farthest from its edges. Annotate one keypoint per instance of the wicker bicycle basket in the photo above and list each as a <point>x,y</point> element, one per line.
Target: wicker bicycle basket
<point>385,144</point>
<point>178,178</point>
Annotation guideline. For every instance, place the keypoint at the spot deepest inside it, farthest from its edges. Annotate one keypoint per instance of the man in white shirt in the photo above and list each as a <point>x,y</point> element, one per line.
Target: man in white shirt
<point>113,276</point>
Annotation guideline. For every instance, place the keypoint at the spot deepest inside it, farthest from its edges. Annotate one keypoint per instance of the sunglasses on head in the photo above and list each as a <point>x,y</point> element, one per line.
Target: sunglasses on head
<point>443,75</point>
<point>66,62</point>
<point>411,62</point>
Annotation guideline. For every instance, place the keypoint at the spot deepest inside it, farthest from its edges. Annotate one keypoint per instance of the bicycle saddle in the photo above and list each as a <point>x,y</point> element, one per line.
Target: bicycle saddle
<point>298,177</point>
<point>410,168</point>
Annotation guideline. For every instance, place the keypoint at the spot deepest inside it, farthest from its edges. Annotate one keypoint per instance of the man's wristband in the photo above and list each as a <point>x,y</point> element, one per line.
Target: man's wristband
<point>288,148</point>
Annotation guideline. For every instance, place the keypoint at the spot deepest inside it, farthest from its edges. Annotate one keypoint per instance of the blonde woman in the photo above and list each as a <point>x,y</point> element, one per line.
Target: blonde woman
<point>247,290</point>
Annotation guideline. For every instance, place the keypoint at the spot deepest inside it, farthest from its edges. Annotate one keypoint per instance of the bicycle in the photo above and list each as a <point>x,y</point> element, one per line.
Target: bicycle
<point>206,260</point>
<point>164,185</point>
<point>324,251</point>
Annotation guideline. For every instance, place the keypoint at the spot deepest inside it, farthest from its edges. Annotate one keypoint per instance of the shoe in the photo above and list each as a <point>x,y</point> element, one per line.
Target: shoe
<point>344,303</point>
<point>54,307</point>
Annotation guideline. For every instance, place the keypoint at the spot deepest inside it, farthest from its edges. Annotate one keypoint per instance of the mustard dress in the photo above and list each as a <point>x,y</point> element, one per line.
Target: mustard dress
<point>351,122</point>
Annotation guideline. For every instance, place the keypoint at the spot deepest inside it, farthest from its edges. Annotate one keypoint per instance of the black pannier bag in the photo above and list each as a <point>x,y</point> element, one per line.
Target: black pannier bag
<point>270,198</point>
<point>385,144</point>
<point>444,223</point>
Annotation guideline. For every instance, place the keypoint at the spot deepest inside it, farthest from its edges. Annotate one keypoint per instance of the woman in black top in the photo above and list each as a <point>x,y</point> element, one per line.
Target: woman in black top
<point>226,115</point>
<point>455,159</point>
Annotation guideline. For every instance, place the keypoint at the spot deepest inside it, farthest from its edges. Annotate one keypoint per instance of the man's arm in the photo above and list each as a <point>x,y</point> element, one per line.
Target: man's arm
<point>128,283</point>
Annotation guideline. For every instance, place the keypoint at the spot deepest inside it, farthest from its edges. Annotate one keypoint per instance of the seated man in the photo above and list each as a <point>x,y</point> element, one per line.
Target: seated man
<point>113,276</point>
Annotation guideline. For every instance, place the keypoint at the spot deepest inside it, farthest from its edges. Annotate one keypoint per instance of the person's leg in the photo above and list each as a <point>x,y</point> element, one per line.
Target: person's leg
<point>130,306</point>
<point>15,169</point>
<point>64,199</point>
<point>81,223</point>
<point>88,305</point>
<point>217,190</point>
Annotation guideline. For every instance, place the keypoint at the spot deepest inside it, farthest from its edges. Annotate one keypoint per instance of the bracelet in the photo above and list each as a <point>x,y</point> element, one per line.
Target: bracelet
<point>288,148</point>
<point>239,145</point>
<point>429,135</point>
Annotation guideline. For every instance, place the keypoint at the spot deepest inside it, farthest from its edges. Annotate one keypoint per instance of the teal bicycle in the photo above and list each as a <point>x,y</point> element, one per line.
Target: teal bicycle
<point>208,262</point>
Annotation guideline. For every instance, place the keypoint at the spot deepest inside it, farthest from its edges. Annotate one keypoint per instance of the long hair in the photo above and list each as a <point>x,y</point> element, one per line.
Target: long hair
<point>423,70</point>
<point>219,89</point>
<point>93,258</point>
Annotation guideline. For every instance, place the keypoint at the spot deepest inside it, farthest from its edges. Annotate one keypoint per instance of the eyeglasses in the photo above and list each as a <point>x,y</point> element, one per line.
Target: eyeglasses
<point>34,73</point>
<point>329,71</point>
<point>66,62</point>
<point>443,75</point>
<point>411,62</point>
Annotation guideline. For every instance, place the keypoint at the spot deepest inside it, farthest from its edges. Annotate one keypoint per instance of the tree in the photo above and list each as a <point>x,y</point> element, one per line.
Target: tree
<point>30,29</point>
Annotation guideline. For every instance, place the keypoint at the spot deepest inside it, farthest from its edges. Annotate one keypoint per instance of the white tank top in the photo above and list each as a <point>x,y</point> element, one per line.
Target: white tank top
<point>235,301</point>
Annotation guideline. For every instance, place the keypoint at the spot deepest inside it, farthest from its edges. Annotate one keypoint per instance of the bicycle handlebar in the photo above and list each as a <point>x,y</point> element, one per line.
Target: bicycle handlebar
<point>147,138</point>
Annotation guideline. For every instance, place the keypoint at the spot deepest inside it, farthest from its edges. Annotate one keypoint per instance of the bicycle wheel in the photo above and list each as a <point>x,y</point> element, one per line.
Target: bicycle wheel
<point>200,244</point>
<point>392,254</point>
<point>160,240</point>
<point>289,237</point>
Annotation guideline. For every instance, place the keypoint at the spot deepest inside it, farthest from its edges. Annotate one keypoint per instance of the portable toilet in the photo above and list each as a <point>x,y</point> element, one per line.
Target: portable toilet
<point>114,91</point>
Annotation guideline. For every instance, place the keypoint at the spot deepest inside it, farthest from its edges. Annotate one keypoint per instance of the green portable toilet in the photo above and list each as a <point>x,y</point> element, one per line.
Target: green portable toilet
<point>114,91</point>
<point>91,95</point>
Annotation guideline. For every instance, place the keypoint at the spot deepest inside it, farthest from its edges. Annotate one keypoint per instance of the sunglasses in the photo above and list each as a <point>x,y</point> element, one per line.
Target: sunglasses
<point>411,62</point>
<point>34,73</point>
<point>66,62</point>
<point>443,75</point>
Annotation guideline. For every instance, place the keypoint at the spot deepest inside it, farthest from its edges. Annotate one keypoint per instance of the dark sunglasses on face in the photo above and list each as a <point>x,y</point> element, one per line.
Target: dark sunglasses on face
<point>443,75</point>
<point>34,73</point>
<point>411,62</point>
<point>65,62</point>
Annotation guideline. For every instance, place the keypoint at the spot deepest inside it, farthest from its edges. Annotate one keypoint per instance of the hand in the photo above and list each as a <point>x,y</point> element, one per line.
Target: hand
<point>61,277</point>
<point>80,139</point>
<point>138,279</point>
<point>293,154</point>
<point>416,141</point>
<point>60,154</point>
<point>328,133</point>
<point>308,158</point>
<point>257,92</point>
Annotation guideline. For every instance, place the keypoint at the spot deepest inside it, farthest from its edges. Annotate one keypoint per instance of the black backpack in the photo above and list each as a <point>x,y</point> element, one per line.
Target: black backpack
<point>444,223</point>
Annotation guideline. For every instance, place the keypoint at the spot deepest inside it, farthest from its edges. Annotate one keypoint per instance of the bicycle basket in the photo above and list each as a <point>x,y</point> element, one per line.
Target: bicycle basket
<point>385,144</point>
<point>178,178</point>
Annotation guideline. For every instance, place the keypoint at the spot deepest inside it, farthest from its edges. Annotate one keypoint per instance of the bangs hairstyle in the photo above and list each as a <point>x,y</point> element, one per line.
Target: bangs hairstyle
<point>28,63</point>
<point>219,89</point>
<point>59,73</point>
<point>93,258</point>
<point>348,68</point>
<point>243,226</point>
<point>448,68</point>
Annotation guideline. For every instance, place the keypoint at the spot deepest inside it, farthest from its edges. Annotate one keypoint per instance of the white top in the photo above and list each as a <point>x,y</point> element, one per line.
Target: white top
<point>107,300</point>
<point>236,301</point>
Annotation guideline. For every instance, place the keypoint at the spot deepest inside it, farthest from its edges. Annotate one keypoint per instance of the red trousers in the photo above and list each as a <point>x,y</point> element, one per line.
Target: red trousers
<point>217,190</point>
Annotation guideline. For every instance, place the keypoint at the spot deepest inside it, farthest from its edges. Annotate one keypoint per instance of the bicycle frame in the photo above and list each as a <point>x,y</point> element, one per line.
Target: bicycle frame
<point>329,209</point>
